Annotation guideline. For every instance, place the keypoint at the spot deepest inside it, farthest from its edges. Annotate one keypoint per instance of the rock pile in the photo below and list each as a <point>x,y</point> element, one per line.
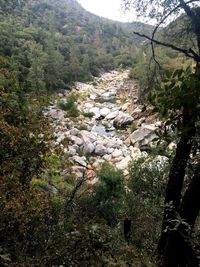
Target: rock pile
<point>107,136</point>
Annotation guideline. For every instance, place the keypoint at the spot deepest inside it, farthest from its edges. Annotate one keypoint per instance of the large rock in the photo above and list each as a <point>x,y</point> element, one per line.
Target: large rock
<point>123,164</point>
<point>117,153</point>
<point>80,160</point>
<point>88,147</point>
<point>56,114</point>
<point>135,152</point>
<point>96,112</point>
<point>83,86</point>
<point>137,111</point>
<point>143,135</point>
<point>123,119</point>
<point>107,157</point>
<point>78,141</point>
<point>72,151</point>
<point>87,136</point>
<point>104,111</point>
<point>112,115</point>
<point>78,171</point>
<point>125,106</point>
<point>100,150</point>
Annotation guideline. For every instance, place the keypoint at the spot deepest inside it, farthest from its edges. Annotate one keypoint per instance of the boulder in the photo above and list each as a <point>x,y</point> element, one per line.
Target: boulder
<point>107,157</point>
<point>88,147</point>
<point>96,112</point>
<point>122,120</point>
<point>74,132</point>
<point>72,151</point>
<point>78,171</point>
<point>143,135</point>
<point>112,115</point>
<point>117,153</point>
<point>78,141</point>
<point>87,136</point>
<point>123,164</point>
<point>137,110</point>
<point>56,114</point>
<point>125,106</point>
<point>80,160</point>
<point>104,111</point>
<point>100,150</point>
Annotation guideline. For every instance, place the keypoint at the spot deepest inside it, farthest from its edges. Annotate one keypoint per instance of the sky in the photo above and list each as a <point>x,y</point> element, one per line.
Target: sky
<point>111,9</point>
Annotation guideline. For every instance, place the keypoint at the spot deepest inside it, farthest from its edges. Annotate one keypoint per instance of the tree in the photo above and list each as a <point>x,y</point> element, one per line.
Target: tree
<point>36,75</point>
<point>179,100</point>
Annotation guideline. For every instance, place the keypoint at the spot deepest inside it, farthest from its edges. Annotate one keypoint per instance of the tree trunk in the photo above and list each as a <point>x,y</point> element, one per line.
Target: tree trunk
<point>175,184</point>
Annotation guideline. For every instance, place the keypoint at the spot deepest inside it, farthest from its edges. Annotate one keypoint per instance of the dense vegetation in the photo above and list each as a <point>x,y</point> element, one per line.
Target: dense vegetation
<point>52,43</point>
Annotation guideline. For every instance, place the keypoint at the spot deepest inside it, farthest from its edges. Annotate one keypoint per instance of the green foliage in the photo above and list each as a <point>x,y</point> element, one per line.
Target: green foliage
<point>88,114</point>
<point>82,127</point>
<point>133,127</point>
<point>146,186</point>
<point>109,193</point>
<point>70,105</point>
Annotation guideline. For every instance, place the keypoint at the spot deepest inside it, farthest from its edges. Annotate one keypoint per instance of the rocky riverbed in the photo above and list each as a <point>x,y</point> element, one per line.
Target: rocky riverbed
<point>111,126</point>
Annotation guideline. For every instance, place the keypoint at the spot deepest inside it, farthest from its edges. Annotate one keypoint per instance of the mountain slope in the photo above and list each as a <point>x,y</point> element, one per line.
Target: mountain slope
<point>63,42</point>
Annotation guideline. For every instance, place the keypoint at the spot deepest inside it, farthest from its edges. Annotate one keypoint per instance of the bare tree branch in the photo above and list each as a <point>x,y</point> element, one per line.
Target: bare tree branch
<point>188,52</point>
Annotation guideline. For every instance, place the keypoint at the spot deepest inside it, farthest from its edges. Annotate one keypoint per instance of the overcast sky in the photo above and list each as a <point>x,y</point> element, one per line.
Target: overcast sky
<point>108,8</point>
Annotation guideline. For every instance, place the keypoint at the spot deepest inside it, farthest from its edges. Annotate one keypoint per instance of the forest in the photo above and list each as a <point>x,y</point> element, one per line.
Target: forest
<point>99,135</point>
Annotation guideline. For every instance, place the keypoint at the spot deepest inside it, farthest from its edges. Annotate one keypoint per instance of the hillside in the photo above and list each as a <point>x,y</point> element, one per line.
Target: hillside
<point>52,43</point>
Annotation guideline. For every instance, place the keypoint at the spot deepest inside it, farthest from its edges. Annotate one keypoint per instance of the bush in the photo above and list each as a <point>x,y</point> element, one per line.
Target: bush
<point>88,114</point>
<point>73,112</point>
<point>82,127</point>
<point>109,192</point>
<point>133,127</point>
<point>147,180</point>
<point>70,105</point>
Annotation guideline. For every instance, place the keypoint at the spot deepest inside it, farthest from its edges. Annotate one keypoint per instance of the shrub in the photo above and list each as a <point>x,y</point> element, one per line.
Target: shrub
<point>73,112</point>
<point>133,127</point>
<point>109,193</point>
<point>88,114</point>
<point>70,105</point>
<point>147,180</point>
<point>82,127</point>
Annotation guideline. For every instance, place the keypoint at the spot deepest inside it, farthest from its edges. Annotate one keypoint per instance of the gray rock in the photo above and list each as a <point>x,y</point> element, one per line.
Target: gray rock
<point>104,111</point>
<point>74,132</point>
<point>96,112</point>
<point>100,150</point>
<point>137,110</point>
<point>140,121</point>
<point>107,157</point>
<point>75,146</point>
<point>56,114</point>
<point>88,105</point>
<point>143,135</point>
<point>72,151</point>
<point>117,153</point>
<point>87,136</point>
<point>88,147</point>
<point>123,119</point>
<point>112,115</point>
<point>78,141</point>
<point>80,160</point>
<point>92,97</point>
<point>123,164</point>
<point>78,171</point>
<point>110,150</point>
